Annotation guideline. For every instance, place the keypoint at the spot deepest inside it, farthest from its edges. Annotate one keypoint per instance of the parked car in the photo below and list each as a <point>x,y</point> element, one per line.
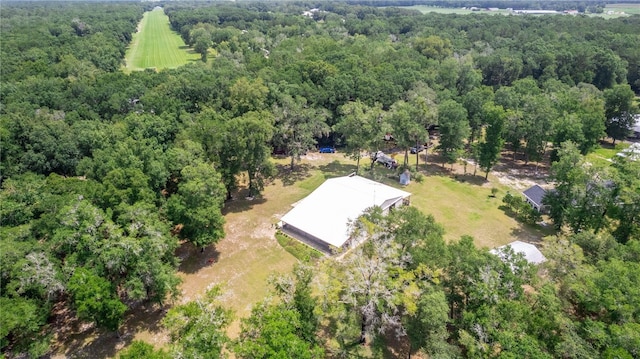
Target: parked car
<point>420,148</point>
<point>327,149</point>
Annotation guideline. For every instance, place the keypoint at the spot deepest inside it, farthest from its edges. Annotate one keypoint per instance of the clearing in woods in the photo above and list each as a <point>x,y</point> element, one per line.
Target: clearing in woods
<point>156,46</point>
<point>243,261</point>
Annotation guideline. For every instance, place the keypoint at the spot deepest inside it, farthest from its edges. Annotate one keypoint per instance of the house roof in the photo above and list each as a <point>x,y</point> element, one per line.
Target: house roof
<point>531,253</point>
<point>535,193</point>
<point>327,211</point>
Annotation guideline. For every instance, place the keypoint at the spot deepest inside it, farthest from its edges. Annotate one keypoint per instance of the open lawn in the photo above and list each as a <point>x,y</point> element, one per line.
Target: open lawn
<point>155,45</point>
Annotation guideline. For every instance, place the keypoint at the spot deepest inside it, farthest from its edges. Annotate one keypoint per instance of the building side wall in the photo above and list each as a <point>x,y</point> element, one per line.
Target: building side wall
<point>306,238</point>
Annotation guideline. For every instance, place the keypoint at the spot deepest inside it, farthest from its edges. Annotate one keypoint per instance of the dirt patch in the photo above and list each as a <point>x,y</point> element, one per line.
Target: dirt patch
<point>519,174</point>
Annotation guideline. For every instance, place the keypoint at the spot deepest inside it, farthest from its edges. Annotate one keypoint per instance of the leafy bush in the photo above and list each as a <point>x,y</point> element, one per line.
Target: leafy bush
<point>519,208</point>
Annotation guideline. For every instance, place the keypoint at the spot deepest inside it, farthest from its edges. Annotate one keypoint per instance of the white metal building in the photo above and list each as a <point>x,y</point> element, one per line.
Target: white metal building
<point>531,253</point>
<point>321,219</point>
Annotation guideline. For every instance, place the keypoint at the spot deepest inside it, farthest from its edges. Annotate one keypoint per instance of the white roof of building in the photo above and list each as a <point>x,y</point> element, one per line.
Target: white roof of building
<point>326,212</point>
<point>531,253</point>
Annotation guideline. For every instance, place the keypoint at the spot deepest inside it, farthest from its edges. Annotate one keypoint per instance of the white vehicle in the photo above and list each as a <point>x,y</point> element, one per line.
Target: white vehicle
<point>384,159</point>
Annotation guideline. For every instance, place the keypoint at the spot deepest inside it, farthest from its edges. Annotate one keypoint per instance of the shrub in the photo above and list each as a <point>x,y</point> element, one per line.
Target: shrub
<point>299,250</point>
<point>521,209</point>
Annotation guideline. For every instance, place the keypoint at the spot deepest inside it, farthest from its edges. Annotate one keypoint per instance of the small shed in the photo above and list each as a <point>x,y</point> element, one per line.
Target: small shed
<point>534,196</point>
<point>405,177</point>
<point>531,253</point>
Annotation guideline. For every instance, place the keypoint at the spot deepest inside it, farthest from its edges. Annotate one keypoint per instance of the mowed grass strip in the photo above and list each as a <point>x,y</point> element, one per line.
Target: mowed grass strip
<point>155,45</point>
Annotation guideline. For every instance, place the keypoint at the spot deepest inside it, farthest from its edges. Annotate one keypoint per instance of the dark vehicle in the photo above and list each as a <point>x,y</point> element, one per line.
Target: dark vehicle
<point>420,148</point>
<point>327,150</point>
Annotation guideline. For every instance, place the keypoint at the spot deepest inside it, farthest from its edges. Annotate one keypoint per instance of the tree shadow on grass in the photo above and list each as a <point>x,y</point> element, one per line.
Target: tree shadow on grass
<point>103,345</point>
<point>193,259</point>
<point>531,233</point>
<point>241,202</point>
<point>338,169</point>
<point>470,178</point>
<point>288,177</point>
<point>84,340</point>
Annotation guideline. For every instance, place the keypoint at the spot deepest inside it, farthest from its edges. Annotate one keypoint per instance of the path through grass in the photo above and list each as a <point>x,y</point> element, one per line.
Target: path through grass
<point>155,45</point>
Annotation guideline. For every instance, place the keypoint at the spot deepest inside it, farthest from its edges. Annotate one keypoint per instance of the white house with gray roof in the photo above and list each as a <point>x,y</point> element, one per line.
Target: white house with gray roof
<point>534,195</point>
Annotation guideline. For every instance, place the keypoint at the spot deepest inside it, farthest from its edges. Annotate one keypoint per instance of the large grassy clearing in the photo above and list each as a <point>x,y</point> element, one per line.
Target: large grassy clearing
<point>156,46</point>
<point>249,254</point>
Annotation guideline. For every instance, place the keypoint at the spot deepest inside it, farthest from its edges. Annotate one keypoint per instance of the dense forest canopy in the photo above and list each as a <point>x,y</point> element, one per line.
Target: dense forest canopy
<point>104,173</point>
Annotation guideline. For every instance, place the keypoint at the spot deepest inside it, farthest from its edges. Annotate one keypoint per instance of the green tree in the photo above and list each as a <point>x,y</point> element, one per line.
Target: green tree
<point>197,205</point>
<point>626,210</point>
<point>221,144</point>
<point>619,111</point>
<point>246,95</point>
<point>197,328</point>
<point>141,350</point>
<point>433,47</point>
<point>567,172</point>
<point>21,321</point>
<point>297,126</point>
<point>474,102</point>
<point>95,299</point>
<point>295,293</point>
<point>254,131</point>
<point>537,117</point>
<point>272,332</point>
<point>371,283</point>
<point>127,186</point>
<point>427,329</point>
<point>362,128</point>
<point>581,117</point>
<point>500,68</point>
<point>454,129</point>
<point>491,147</point>
<point>201,41</point>
<point>408,125</point>
<point>420,236</point>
